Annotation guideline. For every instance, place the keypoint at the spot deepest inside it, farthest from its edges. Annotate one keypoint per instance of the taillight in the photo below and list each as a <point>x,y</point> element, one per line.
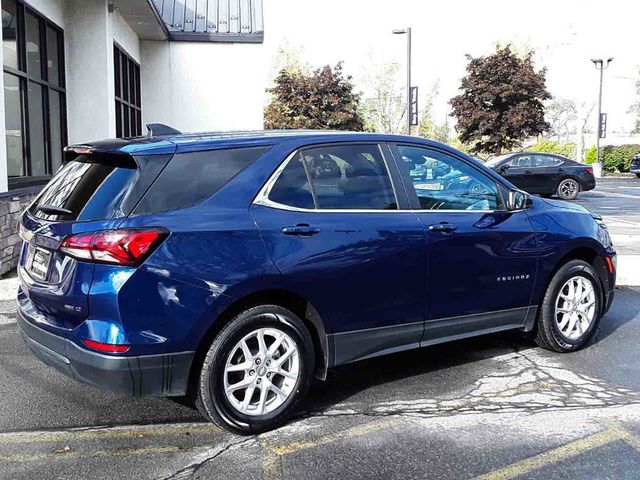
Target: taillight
<point>589,169</point>
<point>118,247</point>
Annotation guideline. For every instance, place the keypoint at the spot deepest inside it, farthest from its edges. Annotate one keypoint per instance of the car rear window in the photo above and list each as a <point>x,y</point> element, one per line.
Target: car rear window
<point>87,188</point>
<point>191,177</point>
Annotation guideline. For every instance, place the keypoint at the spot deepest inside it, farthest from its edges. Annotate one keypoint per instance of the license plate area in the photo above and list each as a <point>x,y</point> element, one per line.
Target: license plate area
<point>38,262</point>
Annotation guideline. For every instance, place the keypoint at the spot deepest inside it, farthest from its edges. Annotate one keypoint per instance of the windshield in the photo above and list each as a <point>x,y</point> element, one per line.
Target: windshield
<point>492,162</point>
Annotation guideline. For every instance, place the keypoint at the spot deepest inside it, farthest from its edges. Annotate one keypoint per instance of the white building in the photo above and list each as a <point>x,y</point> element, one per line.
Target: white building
<point>81,70</point>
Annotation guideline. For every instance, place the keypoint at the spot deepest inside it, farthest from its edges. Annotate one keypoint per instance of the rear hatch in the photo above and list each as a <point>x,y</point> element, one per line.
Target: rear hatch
<point>93,191</point>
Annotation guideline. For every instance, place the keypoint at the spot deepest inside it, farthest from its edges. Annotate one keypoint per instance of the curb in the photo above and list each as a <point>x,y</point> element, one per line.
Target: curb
<point>628,274</point>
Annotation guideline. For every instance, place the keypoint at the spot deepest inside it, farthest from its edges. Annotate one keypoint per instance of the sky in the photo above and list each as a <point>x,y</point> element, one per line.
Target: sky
<point>565,35</point>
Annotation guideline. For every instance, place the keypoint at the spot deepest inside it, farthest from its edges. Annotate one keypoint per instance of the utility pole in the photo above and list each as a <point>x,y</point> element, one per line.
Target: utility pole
<point>407,31</point>
<point>599,63</point>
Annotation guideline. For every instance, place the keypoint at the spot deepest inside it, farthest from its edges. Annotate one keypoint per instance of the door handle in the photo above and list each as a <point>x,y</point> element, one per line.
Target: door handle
<point>302,229</point>
<point>527,172</point>
<point>442,227</point>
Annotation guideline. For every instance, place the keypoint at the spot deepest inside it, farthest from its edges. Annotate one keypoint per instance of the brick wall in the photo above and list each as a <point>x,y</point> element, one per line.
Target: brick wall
<point>11,206</point>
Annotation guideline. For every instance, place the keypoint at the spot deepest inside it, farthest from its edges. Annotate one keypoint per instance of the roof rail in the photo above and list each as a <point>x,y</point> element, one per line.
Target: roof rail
<point>158,129</point>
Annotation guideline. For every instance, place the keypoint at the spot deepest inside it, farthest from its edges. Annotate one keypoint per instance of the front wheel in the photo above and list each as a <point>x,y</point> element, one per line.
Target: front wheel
<point>571,308</point>
<point>568,189</point>
<point>256,371</point>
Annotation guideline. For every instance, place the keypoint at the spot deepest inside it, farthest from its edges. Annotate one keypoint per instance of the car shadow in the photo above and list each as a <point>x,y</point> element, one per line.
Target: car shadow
<point>431,363</point>
<point>623,310</point>
<point>349,380</point>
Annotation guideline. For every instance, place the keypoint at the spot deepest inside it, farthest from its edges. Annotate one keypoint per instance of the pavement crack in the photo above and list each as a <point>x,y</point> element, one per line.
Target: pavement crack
<point>190,470</point>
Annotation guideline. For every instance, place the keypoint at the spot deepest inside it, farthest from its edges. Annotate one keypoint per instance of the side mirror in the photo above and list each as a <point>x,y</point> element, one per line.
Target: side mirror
<point>518,200</point>
<point>504,168</point>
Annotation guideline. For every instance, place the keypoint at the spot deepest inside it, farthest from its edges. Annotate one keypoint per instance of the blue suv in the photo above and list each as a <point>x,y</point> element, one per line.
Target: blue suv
<point>235,268</point>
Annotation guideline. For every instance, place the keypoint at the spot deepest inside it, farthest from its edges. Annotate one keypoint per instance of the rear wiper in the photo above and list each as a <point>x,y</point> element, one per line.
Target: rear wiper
<point>52,210</point>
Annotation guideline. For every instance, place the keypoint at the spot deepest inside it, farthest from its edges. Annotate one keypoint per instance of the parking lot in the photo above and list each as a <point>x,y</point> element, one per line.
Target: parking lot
<point>494,407</point>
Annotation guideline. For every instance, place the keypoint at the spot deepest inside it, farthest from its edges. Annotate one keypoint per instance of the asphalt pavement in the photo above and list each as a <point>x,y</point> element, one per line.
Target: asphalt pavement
<point>494,407</point>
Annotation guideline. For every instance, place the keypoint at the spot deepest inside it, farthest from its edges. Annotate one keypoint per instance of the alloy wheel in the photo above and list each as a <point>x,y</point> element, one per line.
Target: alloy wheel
<point>575,307</point>
<point>261,371</point>
<point>569,189</point>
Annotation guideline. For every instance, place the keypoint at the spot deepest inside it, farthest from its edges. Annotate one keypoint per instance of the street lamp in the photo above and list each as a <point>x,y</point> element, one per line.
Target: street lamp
<point>599,63</point>
<point>407,31</point>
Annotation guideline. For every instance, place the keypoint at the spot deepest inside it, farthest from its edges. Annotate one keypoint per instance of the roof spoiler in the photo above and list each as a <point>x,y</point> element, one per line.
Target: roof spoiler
<point>159,129</point>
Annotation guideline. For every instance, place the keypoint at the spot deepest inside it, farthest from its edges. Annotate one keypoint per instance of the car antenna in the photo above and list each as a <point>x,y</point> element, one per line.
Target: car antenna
<point>159,129</point>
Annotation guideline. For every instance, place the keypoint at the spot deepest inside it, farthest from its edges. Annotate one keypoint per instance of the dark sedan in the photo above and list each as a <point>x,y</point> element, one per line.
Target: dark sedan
<point>544,173</point>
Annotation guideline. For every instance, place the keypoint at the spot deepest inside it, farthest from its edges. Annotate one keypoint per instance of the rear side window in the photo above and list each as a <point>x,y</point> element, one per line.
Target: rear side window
<point>544,161</point>
<point>191,177</point>
<point>336,178</point>
<point>86,189</point>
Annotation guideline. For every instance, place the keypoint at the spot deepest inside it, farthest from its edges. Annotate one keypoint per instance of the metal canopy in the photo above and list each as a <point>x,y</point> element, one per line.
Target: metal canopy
<point>212,20</point>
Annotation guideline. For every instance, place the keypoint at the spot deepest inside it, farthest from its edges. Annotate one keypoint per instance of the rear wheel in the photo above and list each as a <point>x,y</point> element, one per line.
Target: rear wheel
<point>568,189</point>
<point>571,308</point>
<point>256,371</point>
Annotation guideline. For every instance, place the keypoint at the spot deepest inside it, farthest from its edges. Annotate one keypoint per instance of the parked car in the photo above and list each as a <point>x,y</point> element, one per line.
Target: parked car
<point>545,174</point>
<point>635,165</point>
<point>235,268</point>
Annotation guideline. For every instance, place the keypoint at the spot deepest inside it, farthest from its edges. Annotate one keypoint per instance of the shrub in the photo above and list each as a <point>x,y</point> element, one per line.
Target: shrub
<point>566,149</point>
<point>618,158</point>
<point>591,156</point>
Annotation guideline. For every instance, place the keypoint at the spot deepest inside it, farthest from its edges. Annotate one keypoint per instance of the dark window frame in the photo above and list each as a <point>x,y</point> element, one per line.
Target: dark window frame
<point>42,79</point>
<point>128,108</point>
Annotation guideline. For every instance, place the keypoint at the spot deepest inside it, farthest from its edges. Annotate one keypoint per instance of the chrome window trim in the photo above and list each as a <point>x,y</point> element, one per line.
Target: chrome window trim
<point>262,198</point>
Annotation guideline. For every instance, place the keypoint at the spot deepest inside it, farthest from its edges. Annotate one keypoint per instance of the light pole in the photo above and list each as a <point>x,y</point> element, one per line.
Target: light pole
<point>407,31</point>
<point>599,63</point>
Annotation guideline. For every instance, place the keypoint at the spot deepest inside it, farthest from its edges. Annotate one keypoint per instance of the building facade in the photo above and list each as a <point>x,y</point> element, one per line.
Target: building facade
<point>82,70</point>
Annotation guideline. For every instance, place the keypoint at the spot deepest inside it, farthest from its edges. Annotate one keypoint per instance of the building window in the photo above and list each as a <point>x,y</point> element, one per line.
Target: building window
<point>127,87</point>
<point>34,94</point>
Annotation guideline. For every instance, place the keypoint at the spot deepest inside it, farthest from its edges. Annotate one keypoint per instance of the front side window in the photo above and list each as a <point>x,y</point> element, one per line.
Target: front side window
<point>34,94</point>
<point>444,182</point>
<point>344,177</point>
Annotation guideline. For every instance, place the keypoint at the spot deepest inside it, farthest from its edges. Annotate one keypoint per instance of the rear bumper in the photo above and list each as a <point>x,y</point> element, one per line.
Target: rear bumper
<point>588,183</point>
<point>159,375</point>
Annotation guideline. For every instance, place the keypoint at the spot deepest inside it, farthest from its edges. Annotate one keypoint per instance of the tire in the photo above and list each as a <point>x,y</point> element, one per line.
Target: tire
<point>568,189</point>
<point>260,415</point>
<point>550,332</point>
<point>638,175</point>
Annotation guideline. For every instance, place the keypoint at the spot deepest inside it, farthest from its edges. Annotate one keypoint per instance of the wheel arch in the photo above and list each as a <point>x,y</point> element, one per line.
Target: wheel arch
<point>322,345</point>
<point>589,255</point>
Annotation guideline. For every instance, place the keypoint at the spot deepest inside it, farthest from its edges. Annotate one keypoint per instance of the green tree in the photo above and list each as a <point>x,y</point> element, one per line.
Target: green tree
<point>562,115</point>
<point>385,110</point>
<point>635,108</point>
<point>566,149</point>
<point>323,99</point>
<point>501,103</point>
